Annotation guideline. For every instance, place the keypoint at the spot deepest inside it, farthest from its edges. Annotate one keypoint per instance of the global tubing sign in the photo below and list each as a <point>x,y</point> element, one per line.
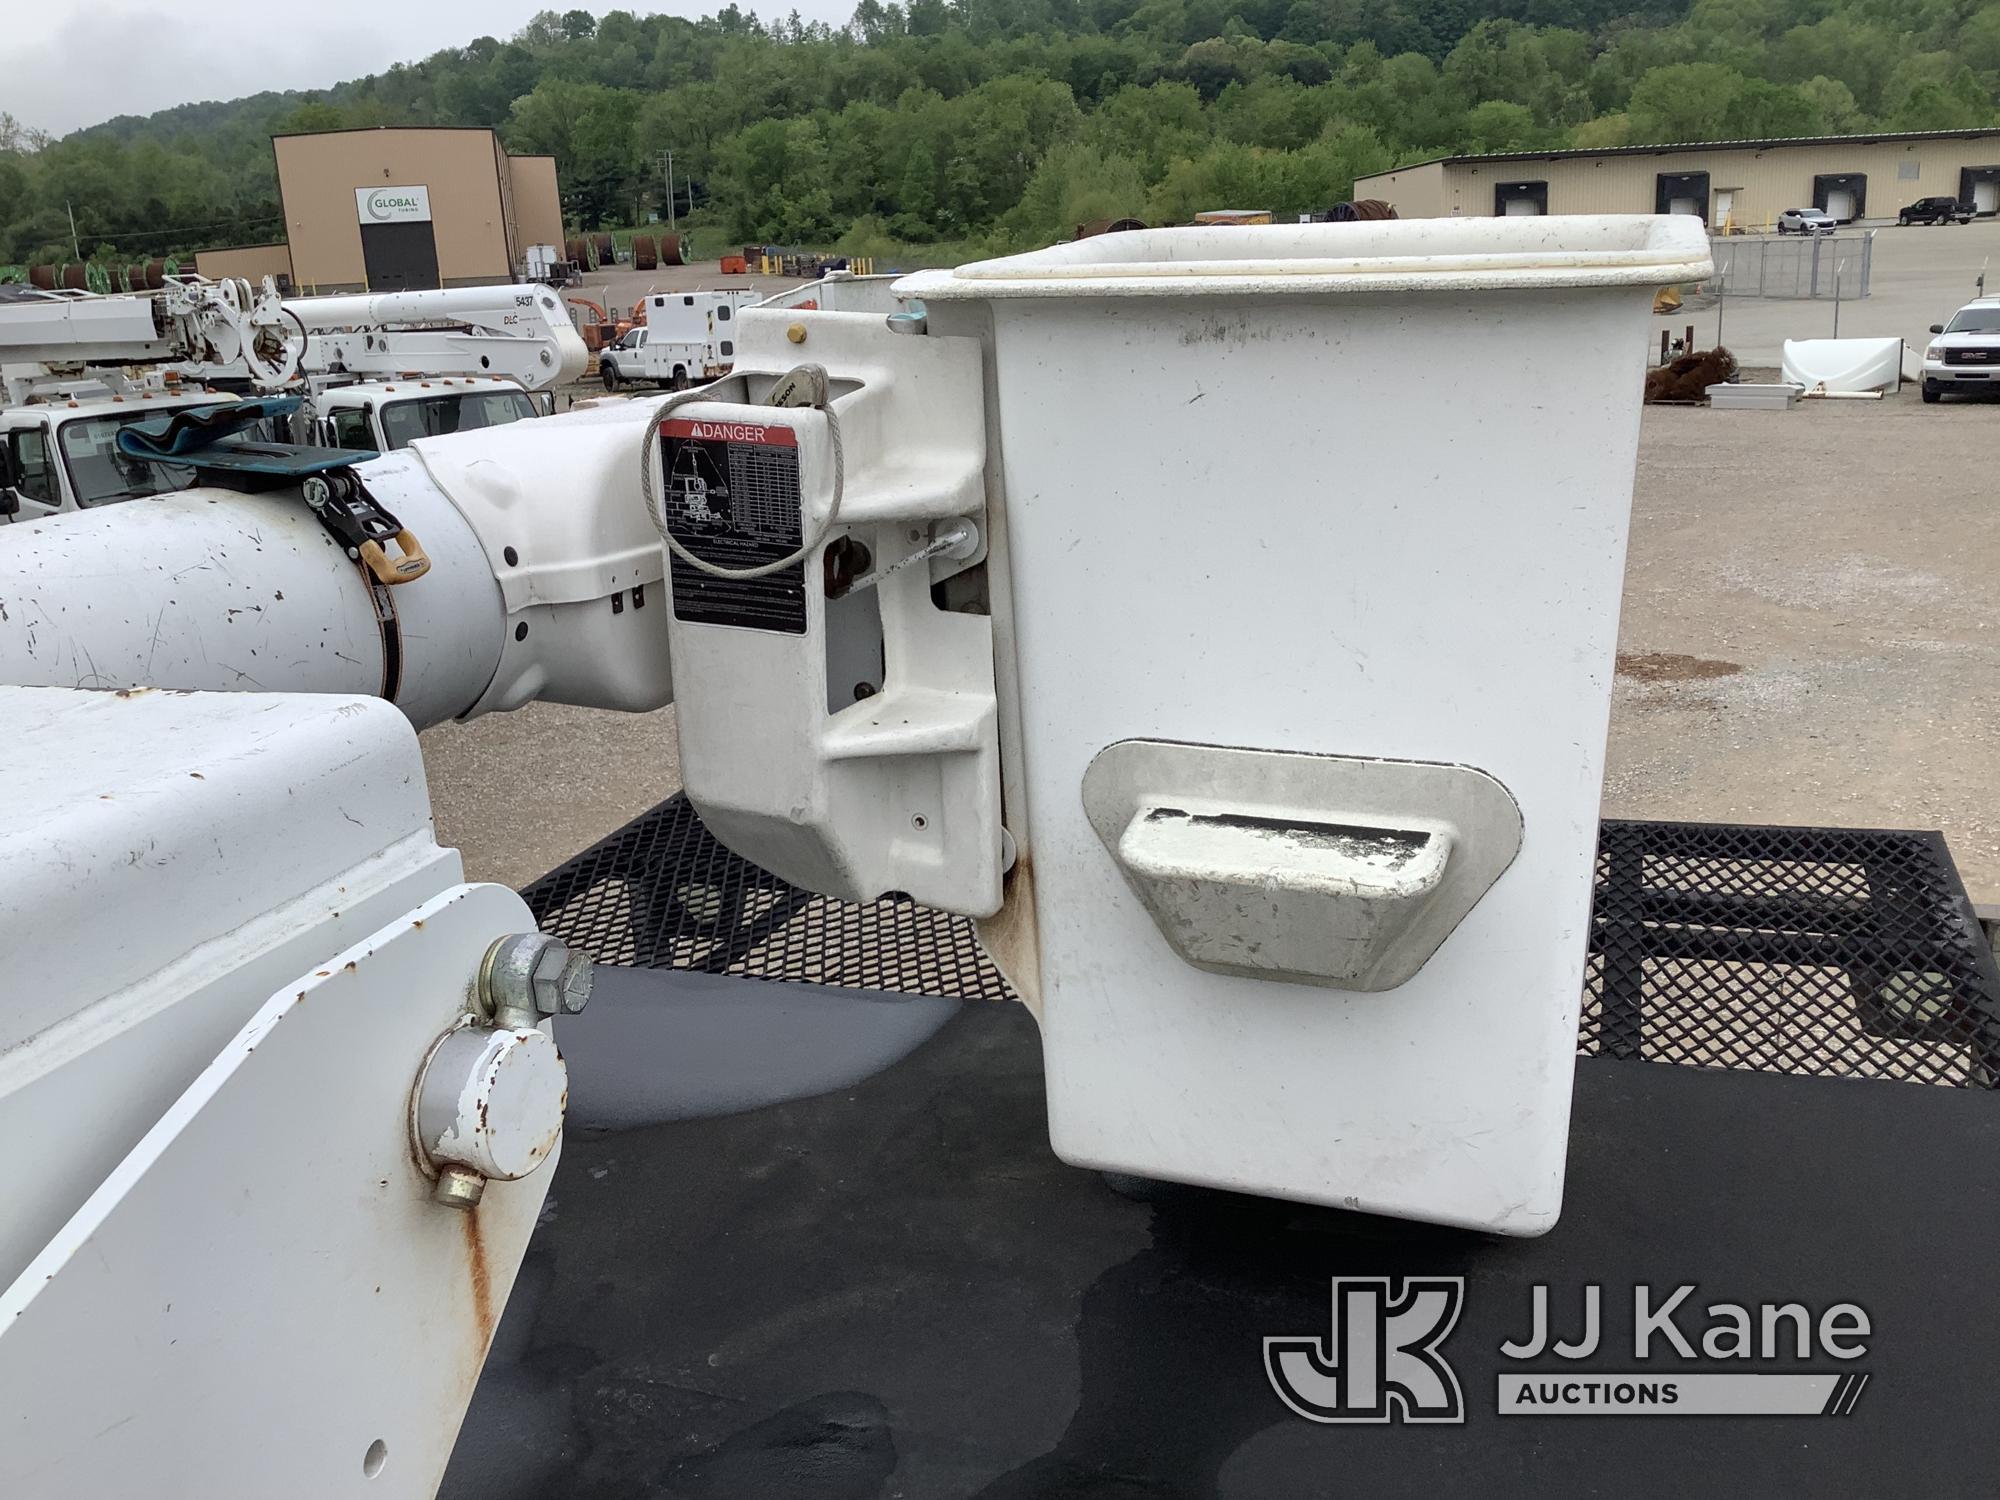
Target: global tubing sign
<point>393,205</point>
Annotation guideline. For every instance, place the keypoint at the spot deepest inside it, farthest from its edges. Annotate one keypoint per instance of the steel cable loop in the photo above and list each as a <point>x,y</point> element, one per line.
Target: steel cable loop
<point>656,502</point>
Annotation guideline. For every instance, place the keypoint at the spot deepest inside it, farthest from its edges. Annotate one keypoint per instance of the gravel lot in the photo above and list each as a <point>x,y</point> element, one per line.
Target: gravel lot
<point>1831,572</point>
<point>1811,635</point>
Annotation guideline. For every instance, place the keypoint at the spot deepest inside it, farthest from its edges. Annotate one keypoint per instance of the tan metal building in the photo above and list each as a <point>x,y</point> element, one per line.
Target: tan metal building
<point>404,208</point>
<point>252,262</point>
<point>537,205</point>
<point>1732,184</point>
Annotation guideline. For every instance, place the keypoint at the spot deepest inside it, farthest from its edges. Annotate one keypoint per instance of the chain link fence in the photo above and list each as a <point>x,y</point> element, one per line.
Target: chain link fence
<point>1829,266</point>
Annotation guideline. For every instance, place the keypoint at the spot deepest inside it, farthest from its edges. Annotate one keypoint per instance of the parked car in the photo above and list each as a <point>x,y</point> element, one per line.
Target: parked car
<point>1806,221</point>
<point>1964,354</point>
<point>1942,210</point>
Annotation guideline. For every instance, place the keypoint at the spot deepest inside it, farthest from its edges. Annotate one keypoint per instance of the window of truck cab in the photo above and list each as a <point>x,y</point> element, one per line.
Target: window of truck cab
<point>349,428</point>
<point>403,422</point>
<point>1974,320</point>
<point>34,469</point>
<point>99,474</point>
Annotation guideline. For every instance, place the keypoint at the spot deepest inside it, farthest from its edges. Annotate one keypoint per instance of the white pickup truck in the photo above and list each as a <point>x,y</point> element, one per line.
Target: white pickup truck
<point>688,337</point>
<point>1963,356</point>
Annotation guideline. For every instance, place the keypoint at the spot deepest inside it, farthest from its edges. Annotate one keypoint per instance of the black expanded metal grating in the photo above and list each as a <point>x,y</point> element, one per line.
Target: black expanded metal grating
<point>661,893</point>
<point>1826,951</point>
<point>1791,950</point>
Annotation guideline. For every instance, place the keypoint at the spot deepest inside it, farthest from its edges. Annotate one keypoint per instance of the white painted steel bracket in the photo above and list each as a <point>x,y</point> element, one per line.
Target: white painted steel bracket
<point>167,861</point>
<point>854,751</point>
<point>263,1298</point>
<point>1335,870</point>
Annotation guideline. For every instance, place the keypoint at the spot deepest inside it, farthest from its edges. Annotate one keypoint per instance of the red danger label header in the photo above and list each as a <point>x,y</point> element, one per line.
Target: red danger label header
<point>730,432</point>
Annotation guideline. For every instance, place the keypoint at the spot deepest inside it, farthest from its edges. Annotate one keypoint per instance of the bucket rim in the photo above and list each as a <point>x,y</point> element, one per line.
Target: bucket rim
<point>1540,252</point>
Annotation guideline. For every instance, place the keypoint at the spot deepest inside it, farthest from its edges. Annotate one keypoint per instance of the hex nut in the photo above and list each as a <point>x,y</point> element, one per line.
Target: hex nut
<point>458,1187</point>
<point>531,975</point>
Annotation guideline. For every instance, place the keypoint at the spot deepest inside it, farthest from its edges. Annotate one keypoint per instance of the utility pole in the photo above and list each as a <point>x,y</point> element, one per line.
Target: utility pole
<point>72,229</point>
<point>1721,304</point>
<point>666,160</point>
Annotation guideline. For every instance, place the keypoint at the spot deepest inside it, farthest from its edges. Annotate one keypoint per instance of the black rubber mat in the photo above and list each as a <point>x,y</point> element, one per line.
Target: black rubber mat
<point>1819,951</point>
<point>894,1289</point>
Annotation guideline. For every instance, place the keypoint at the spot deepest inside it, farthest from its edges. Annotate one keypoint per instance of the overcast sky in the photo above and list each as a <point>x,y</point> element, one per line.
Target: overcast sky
<point>66,66</point>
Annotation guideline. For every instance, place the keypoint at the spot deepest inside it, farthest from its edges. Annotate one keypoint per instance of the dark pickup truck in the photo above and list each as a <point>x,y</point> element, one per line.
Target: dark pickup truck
<point>1936,211</point>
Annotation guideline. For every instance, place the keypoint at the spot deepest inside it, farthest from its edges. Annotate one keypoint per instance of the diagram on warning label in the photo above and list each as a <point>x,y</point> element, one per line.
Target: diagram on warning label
<point>690,499</point>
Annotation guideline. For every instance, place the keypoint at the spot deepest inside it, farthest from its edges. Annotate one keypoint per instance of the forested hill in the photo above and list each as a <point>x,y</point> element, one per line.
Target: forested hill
<point>1000,122</point>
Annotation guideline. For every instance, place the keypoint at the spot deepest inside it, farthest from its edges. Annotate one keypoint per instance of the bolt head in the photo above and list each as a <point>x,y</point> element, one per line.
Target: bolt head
<point>575,983</point>
<point>520,974</point>
<point>546,977</point>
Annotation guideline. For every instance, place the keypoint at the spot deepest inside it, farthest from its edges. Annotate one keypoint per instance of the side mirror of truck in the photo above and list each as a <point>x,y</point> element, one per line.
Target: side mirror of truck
<point>1937,328</point>
<point>10,501</point>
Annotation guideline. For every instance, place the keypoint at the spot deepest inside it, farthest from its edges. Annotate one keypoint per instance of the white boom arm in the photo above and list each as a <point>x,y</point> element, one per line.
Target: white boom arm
<point>226,330</point>
<point>214,324</point>
<point>522,332</point>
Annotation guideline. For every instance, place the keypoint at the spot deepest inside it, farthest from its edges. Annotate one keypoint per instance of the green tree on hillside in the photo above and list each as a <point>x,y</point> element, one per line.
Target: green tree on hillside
<point>994,123</point>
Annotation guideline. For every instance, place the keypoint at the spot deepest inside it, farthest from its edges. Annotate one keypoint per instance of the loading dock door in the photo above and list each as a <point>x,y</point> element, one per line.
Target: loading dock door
<point>1980,186</point>
<point>399,257</point>
<point>1844,195</point>
<point>1681,193</point>
<point>1511,199</point>
<point>398,249</point>
<point>1986,197</point>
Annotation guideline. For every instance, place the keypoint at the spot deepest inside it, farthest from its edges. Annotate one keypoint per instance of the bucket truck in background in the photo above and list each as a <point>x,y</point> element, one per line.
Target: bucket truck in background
<point>225,326</point>
<point>375,372</point>
<point>64,358</point>
<point>381,370</point>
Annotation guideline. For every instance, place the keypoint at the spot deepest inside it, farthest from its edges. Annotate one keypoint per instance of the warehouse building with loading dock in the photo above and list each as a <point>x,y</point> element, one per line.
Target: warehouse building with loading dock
<point>396,209</point>
<point>1732,185</point>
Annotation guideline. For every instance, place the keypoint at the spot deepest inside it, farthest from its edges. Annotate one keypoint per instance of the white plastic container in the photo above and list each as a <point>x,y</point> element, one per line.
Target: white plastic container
<point>1293,507</point>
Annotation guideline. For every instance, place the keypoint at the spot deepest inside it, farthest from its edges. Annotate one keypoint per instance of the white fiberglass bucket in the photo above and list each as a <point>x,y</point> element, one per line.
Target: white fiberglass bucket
<point>1288,509</point>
